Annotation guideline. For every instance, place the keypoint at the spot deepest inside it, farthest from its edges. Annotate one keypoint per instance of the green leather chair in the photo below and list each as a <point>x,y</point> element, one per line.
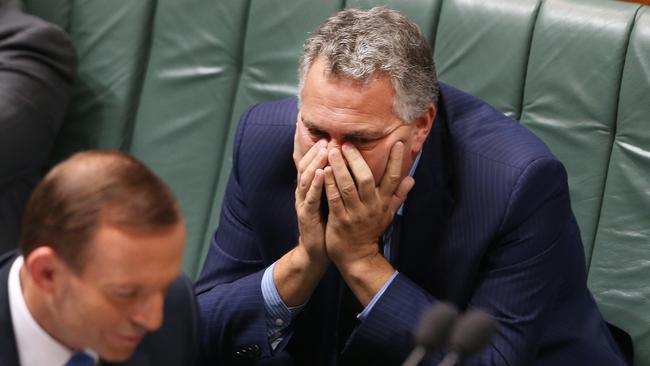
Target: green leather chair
<point>167,80</point>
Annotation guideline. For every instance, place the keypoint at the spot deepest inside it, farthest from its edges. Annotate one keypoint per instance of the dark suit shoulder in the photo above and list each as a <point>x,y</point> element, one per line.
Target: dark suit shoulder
<point>278,112</point>
<point>478,129</point>
<point>7,258</point>
<point>263,123</point>
<point>8,350</point>
<point>263,144</point>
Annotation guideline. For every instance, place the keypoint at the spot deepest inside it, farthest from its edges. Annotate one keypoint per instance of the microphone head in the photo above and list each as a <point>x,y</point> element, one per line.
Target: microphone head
<point>473,331</point>
<point>435,324</point>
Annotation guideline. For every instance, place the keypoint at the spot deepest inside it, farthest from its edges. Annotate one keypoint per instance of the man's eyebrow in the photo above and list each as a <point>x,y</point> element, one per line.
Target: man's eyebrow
<point>358,134</point>
<point>313,129</point>
<point>362,134</point>
<point>310,125</point>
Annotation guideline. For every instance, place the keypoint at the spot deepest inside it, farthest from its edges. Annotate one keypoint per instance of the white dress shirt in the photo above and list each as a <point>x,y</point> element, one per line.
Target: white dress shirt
<point>35,346</point>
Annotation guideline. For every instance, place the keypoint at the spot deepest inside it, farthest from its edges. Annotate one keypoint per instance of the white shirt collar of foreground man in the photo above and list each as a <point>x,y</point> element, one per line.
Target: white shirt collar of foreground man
<point>35,346</point>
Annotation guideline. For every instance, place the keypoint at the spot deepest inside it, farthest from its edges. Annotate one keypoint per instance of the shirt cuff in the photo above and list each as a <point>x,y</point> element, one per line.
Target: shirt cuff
<point>278,315</point>
<point>364,314</point>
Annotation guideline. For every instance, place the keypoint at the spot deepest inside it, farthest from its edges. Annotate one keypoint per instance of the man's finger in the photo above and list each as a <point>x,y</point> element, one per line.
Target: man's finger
<point>309,156</point>
<point>334,200</point>
<point>401,192</point>
<point>393,174</point>
<point>362,173</point>
<point>312,198</point>
<point>306,177</point>
<point>346,186</point>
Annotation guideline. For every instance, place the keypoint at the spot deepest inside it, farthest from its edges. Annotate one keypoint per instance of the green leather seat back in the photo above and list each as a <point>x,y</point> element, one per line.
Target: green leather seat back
<point>271,46</point>
<point>124,73</point>
<point>112,42</point>
<point>493,40</point>
<point>425,13</point>
<point>619,275</point>
<point>186,104</point>
<point>571,91</point>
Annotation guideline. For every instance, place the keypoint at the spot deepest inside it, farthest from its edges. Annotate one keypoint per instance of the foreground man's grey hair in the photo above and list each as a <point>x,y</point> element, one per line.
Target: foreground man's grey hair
<point>363,44</point>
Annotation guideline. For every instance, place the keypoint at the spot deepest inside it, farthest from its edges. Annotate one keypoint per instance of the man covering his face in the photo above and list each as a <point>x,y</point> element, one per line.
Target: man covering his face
<point>429,195</point>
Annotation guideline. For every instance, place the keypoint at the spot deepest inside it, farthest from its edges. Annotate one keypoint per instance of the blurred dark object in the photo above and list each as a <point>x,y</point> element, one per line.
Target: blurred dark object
<point>37,68</point>
<point>624,341</point>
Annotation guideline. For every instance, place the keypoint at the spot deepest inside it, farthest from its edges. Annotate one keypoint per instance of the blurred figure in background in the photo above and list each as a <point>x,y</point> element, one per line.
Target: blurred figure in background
<point>37,68</point>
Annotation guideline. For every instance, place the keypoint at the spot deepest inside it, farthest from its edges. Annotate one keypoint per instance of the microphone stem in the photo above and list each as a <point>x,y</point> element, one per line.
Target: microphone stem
<point>415,357</point>
<point>450,360</point>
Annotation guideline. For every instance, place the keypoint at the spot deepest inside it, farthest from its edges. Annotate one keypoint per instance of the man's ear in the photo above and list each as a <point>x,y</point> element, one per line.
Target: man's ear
<point>297,153</point>
<point>44,268</point>
<point>422,128</point>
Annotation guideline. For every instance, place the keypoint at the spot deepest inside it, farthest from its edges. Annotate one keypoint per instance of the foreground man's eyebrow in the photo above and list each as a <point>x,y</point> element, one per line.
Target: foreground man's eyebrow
<point>357,134</point>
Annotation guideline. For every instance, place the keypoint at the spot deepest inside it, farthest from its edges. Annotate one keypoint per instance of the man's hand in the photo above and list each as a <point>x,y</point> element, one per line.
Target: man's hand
<point>298,272</point>
<point>309,188</point>
<point>359,212</point>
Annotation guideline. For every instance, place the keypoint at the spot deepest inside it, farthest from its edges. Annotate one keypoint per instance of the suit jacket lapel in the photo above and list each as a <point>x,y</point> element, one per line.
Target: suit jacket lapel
<point>426,211</point>
<point>8,351</point>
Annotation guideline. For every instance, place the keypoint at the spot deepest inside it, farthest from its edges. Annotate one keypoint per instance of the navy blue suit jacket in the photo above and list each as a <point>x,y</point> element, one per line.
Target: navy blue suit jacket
<point>487,225</point>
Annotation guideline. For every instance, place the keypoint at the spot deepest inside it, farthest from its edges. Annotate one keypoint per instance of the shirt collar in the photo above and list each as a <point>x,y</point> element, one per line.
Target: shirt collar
<point>29,334</point>
<point>410,174</point>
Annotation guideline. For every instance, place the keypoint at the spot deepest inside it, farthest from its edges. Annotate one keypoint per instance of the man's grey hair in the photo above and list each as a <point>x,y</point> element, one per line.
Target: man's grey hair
<point>364,44</point>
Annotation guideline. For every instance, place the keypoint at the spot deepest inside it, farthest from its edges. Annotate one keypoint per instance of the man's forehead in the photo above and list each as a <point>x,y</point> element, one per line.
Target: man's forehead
<point>372,96</point>
<point>134,250</point>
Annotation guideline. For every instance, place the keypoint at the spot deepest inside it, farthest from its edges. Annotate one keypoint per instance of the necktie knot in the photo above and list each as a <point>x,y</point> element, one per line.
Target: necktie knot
<point>81,359</point>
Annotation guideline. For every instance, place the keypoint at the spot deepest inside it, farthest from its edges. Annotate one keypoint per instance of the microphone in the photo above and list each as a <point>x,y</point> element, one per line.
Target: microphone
<point>432,331</point>
<point>471,334</point>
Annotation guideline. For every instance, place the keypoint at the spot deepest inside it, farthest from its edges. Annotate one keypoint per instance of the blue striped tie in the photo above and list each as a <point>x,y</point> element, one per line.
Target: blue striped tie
<point>80,359</point>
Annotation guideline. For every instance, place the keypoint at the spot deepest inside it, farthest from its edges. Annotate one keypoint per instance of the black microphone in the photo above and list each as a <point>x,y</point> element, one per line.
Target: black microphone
<point>432,331</point>
<point>471,334</point>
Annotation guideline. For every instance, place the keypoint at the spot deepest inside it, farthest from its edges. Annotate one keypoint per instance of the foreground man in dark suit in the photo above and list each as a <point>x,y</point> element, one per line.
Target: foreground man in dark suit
<point>99,264</point>
<point>487,222</point>
<point>37,69</point>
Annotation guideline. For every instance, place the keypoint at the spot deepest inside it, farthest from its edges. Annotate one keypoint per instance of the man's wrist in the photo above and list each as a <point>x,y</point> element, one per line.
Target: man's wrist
<point>296,275</point>
<point>366,275</point>
<point>352,252</point>
<point>305,260</point>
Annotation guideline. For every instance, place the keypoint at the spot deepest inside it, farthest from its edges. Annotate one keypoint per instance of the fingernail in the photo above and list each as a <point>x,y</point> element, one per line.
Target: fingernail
<point>322,143</point>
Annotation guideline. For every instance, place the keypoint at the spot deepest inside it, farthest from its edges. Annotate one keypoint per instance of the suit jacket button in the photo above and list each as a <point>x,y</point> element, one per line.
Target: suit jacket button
<point>255,351</point>
<point>247,355</point>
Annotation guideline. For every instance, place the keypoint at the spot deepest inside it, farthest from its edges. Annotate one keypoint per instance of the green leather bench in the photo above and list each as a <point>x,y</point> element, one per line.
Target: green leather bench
<point>167,80</point>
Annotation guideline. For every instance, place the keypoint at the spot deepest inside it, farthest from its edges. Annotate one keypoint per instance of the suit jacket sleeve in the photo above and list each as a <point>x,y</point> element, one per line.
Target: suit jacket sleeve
<point>517,282</point>
<point>229,292</point>
<point>37,68</point>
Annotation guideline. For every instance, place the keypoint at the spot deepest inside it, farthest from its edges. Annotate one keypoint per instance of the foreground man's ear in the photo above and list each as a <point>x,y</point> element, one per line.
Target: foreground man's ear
<point>44,267</point>
<point>423,126</point>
